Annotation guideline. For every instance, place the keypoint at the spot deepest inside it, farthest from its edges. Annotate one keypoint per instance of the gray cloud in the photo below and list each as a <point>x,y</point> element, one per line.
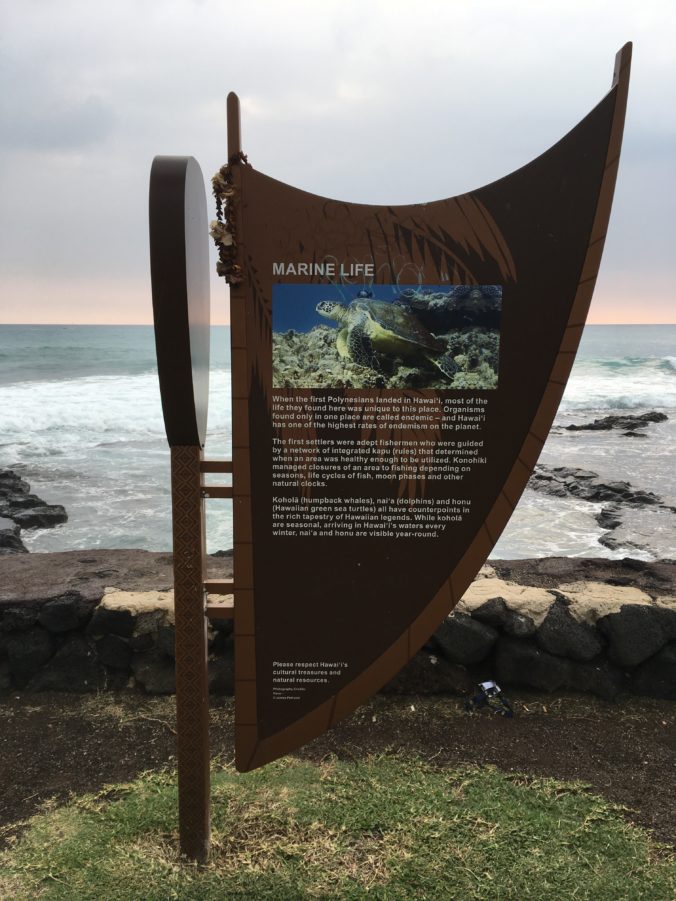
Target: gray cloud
<point>381,102</point>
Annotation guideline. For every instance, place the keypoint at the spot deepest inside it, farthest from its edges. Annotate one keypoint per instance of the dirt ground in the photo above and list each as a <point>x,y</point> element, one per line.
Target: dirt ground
<point>52,745</point>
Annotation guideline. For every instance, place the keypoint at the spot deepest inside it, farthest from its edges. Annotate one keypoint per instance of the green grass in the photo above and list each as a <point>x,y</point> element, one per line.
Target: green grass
<point>384,828</point>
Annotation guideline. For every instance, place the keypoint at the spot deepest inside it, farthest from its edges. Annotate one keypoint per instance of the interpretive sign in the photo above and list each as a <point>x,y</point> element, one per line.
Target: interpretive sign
<point>396,370</point>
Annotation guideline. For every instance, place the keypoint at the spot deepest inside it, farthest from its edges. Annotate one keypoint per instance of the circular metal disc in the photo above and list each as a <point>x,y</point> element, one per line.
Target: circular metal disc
<point>179,265</point>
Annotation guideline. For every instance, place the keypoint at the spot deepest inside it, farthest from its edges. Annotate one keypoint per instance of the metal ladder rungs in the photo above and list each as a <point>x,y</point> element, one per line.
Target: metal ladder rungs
<point>216,466</point>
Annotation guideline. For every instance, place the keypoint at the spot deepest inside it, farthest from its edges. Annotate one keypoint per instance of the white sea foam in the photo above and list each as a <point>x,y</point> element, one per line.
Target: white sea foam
<point>97,445</point>
<point>622,385</point>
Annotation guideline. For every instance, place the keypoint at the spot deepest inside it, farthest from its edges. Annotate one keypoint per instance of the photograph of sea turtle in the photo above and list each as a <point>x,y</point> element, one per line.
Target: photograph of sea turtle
<point>443,337</point>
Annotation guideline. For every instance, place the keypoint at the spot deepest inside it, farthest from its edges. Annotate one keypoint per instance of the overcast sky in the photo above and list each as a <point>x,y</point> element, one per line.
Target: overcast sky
<point>379,102</point>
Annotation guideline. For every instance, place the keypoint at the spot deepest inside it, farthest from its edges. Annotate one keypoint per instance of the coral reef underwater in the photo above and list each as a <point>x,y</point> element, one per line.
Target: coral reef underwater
<point>466,318</point>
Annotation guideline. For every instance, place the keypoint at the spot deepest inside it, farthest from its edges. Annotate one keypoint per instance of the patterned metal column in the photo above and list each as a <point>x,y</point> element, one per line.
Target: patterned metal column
<point>192,687</point>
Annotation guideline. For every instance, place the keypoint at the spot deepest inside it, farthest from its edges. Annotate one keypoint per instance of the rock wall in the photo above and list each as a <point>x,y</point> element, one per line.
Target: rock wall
<point>97,620</point>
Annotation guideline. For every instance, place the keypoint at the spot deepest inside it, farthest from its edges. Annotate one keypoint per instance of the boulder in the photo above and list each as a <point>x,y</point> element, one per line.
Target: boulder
<point>656,677</point>
<point>624,421</point>
<point>75,668</point>
<point>519,625</point>
<point>564,481</point>
<point>19,618</point>
<point>26,652</point>
<point>11,483</point>
<point>463,640</point>
<point>114,620</point>
<point>61,614</point>
<point>155,672</point>
<point>522,662</point>
<point>114,651</point>
<point>222,642</point>
<point>608,518</point>
<point>429,674</point>
<point>5,676</point>
<point>600,678</point>
<point>666,617</point>
<point>10,542</point>
<point>494,612</point>
<point>634,634</point>
<point>44,516</point>
<point>560,633</point>
<point>166,639</point>
<point>222,675</point>
<point>25,509</point>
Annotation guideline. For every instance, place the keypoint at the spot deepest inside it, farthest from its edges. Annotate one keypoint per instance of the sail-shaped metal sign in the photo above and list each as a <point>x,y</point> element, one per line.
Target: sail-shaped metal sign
<point>396,370</point>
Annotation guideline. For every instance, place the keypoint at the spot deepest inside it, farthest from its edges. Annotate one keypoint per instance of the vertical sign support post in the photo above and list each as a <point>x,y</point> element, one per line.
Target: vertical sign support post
<point>179,260</point>
<point>192,686</point>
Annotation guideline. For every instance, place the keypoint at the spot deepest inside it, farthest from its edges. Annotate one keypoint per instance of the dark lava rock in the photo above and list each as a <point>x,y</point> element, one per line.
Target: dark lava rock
<point>222,642</point>
<point>667,619</point>
<point>11,483</point>
<point>494,612</point>
<point>628,421</point>
<point>75,668</point>
<point>10,542</point>
<point>462,639</point>
<point>608,518</point>
<point>61,614</point>
<point>560,633</point>
<point>166,639</point>
<point>429,674</point>
<point>601,679</point>
<point>43,517</point>
<point>26,509</point>
<point>5,676</point>
<point>656,677</point>
<point>222,675</point>
<point>520,662</point>
<point>143,641</point>
<point>634,633</point>
<point>518,625</point>
<point>155,672</point>
<point>18,619</point>
<point>655,578</point>
<point>27,652</point>
<point>114,651</point>
<point>564,481</point>
<point>110,619</point>
<point>224,627</point>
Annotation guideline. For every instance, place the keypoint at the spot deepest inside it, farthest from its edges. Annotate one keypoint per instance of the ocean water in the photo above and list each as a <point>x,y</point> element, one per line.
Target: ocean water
<point>80,419</point>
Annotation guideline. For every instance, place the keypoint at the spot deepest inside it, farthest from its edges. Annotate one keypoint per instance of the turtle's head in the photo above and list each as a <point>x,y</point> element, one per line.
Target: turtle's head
<point>331,309</point>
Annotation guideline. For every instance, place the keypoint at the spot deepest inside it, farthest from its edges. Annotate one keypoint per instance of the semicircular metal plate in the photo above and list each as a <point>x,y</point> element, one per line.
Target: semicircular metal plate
<point>179,265</point>
<point>331,600</point>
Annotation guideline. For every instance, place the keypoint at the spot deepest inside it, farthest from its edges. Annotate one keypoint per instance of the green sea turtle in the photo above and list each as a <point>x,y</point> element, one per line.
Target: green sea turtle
<point>373,327</point>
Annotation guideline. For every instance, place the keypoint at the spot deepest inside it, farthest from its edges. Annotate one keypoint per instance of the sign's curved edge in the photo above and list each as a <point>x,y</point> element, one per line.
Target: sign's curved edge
<point>252,753</point>
<point>620,67</point>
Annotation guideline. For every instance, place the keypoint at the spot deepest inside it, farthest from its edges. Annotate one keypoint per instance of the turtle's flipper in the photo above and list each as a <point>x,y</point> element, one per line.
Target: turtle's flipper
<point>446,364</point>
<point>341,343</point>
<point>360,348</point>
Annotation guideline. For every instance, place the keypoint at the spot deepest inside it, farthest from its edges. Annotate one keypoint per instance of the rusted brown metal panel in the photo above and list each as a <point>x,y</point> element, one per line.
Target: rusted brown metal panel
<point>538,233</point>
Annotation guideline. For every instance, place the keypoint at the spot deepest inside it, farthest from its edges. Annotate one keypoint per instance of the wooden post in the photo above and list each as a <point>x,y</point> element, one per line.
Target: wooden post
<point>192,686</point>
